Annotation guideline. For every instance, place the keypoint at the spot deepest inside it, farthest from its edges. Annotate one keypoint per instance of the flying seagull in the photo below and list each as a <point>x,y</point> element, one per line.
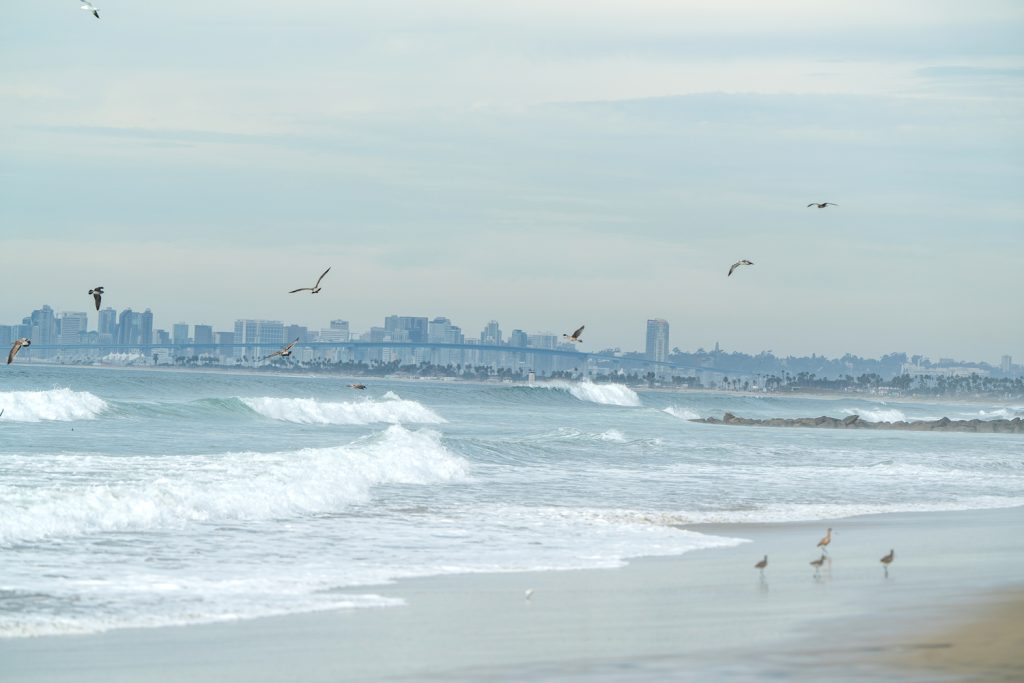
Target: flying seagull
<point>741,262</point>
<point>97,294</point>
<point>575,336</point>
<point>357,386</point>
<point>285,352</point>
<point>18,343</point>
<point>315,289</point>
<point>89,7</point>
<point>822,205</point>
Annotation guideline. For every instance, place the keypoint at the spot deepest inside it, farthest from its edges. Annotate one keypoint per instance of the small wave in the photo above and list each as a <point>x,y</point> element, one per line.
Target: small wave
<point>883,415</point>
<point>228,486</point>
<point>997,414</point>
<point>604,394</point>
<point>681,413</point>
<point>612,435</point>
<point>62,405</point>
<point>311,411</point>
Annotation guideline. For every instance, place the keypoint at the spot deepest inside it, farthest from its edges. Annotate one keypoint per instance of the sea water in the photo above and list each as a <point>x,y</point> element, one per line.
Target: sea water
<point>139,498</point>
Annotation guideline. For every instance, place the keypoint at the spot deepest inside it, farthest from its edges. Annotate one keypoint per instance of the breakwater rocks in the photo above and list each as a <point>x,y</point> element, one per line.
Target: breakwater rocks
<point>1014,426</point>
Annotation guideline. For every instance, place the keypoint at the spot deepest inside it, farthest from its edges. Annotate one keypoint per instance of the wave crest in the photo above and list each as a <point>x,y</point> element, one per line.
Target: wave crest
<point>604,394</point>
<point>311,411</point>
<point>681,413</point>
<point>62,405</point>
<point>880,415</point>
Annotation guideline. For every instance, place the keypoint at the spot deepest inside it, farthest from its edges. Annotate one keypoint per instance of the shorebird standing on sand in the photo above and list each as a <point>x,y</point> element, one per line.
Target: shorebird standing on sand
<point>821,205</point>
<point>817,563</point>
<point>887,560</point>
<point>741,262</point>
<point>97,294</point>
<point>285,352</point>
<point>823,543</point>
<point>89,7</point>
<point>575,336</point>
<point>15,347</point>
<point>762,564</point>
<point>315,289</point>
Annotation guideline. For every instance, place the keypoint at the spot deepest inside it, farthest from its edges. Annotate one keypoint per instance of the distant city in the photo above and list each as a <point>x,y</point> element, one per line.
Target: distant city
<point>419,345</point>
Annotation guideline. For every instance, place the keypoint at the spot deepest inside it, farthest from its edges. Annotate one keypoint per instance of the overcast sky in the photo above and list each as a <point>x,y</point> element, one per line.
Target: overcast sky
<point>544,163</point>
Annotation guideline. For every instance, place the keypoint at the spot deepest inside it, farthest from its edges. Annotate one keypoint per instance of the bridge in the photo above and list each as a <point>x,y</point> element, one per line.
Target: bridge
<point>193,349</point>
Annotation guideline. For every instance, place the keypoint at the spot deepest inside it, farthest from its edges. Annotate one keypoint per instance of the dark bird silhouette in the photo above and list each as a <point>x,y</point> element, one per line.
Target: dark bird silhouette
<point>821,205</point>
<point>285,352</point>
<point>357,386</point>
<point>762,564</point>
<point>89,7</point>
<point>887,560</point>
<point>97,294</point>
<point>15,347</point>
<point>818,562</point>
<point>315,289</point>
<point>741,262</point>
<point>575,336</point>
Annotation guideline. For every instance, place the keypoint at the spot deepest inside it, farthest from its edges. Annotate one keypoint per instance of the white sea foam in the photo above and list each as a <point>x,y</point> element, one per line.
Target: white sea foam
<point>612,435</point>
<point>605,394</point>
<point>881,415</point>
<point>393,410</point>
<point>223,487</point>
<point>56,404</point>
<point>682,413</point>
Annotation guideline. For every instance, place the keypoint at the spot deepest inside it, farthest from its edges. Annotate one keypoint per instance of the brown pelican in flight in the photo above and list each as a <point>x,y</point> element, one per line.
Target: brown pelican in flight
<point>357,386</point>
<point>89,7</point>
<point>315,289</point>
<point>97,294</point>
<point>822,205</point>
<point>18,343</point>
<point>285,352</point>
<point>575,336</point>
<point>741,262</point>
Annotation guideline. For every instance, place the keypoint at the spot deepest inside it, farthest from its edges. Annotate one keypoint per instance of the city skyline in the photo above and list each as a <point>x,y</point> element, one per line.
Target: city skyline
<point>541,162</point>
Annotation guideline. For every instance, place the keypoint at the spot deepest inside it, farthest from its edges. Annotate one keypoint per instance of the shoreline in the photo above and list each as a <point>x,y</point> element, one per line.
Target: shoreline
<point>702,614</point>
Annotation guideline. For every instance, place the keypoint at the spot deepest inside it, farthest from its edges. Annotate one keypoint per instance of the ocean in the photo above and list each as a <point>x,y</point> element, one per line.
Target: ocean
<point>140,498</point>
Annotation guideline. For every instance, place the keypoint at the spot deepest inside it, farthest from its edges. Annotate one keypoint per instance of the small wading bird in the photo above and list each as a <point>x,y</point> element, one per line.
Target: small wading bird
<point>315,289</point>
<point>18,343</point>
<point>575,336</point>
<point>285,352</point>
<point>357,386</point>
<point>821,205</point>
<point>818,562</point>
<point>887,560</point>
<point>529,593</point>
<point>89,7</point>
<point>97,294</point>
<point>823,543</point>
<point>741,262</point>
<point>762,564</point>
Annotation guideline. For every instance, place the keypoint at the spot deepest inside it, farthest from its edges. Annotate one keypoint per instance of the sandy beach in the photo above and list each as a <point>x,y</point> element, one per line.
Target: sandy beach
<point>949,610</point>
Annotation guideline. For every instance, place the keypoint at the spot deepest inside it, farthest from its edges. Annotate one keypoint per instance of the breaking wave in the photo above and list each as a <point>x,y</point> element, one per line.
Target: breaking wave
<point>311,411</point>
<point>880,415</point>
<point>605,394</point>
<point>62,405</point>
<point>226,487</point>
<point>681,413</point>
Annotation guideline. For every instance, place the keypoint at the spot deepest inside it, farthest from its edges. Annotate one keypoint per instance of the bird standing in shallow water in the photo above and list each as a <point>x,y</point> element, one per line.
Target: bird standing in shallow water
<point>762,564</point>
<point>887,560</point>
<point>823,543</point>
<point>818,562</point>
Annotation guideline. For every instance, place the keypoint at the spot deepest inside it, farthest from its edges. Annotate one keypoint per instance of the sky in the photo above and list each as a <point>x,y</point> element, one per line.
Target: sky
<point>546,164</point>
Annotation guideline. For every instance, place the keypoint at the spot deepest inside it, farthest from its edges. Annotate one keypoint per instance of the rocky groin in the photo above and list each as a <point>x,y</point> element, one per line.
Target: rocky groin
<point>1014,426</point>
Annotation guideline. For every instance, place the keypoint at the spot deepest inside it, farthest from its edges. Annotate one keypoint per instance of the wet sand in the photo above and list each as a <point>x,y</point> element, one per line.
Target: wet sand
<point>705,615</point>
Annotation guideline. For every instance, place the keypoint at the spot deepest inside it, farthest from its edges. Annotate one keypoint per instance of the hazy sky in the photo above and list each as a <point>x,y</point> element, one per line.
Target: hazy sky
<point>543,163</point>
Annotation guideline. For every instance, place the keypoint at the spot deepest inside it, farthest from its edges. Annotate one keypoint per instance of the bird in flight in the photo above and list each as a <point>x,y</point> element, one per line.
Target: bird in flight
<point>741,262</point>
<point>357,386</point>
<point>315,289</point>
<point>285,352</point>
<point>822,205</point>
<point>18,343</point>
<point>89,7</point>
<point>575,336</point>
<point>97,294</point>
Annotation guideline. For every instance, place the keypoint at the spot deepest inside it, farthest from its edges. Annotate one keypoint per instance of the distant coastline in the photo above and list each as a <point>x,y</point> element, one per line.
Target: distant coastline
<point>997,426</point>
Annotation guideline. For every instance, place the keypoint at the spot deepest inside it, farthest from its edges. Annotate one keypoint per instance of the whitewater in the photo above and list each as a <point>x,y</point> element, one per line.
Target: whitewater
<point>146,499</point>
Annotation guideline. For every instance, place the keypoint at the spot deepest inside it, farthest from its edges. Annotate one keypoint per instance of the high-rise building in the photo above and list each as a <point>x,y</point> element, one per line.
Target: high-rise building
<point>146,327</point>
<point>107,322</point>
<point>491,334</point>
<point>259,336</point>
<point>72,327</point>
<point>300,332</point>
<point>44,326</point>
<point>203,335</point>
<point>179,333</point>
<point>657,340</point>
<point>406,328</point>
<point>125,327</point>
<point>1006,364</point>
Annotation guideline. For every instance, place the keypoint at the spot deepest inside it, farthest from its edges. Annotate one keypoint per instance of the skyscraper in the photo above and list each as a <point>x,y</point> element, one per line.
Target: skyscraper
<point>259,336</point>
<point>72,326</point>
<point>107,322</point>
<point>406,328</point>
<point>146,327</point>
<point>125,326</point>
<point>491,334</point>
<point>657,340</point>
<point>1006,364</point>
<point>179,333</point>
<point>203,335</point>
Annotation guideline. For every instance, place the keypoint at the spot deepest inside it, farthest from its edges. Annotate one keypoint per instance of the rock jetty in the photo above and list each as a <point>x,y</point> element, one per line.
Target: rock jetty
<point>1014,426</point>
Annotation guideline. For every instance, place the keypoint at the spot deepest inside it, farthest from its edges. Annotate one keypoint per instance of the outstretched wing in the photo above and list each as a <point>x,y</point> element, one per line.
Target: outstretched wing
<point>289,347</point>
<point>321,277</point>
<point>14,351</point>
<point>812,204</point>
<point>275,353</point>
<point>301,289</point>
<point>577,333</point>
<point>97,297</point>
<point>732,268</point>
